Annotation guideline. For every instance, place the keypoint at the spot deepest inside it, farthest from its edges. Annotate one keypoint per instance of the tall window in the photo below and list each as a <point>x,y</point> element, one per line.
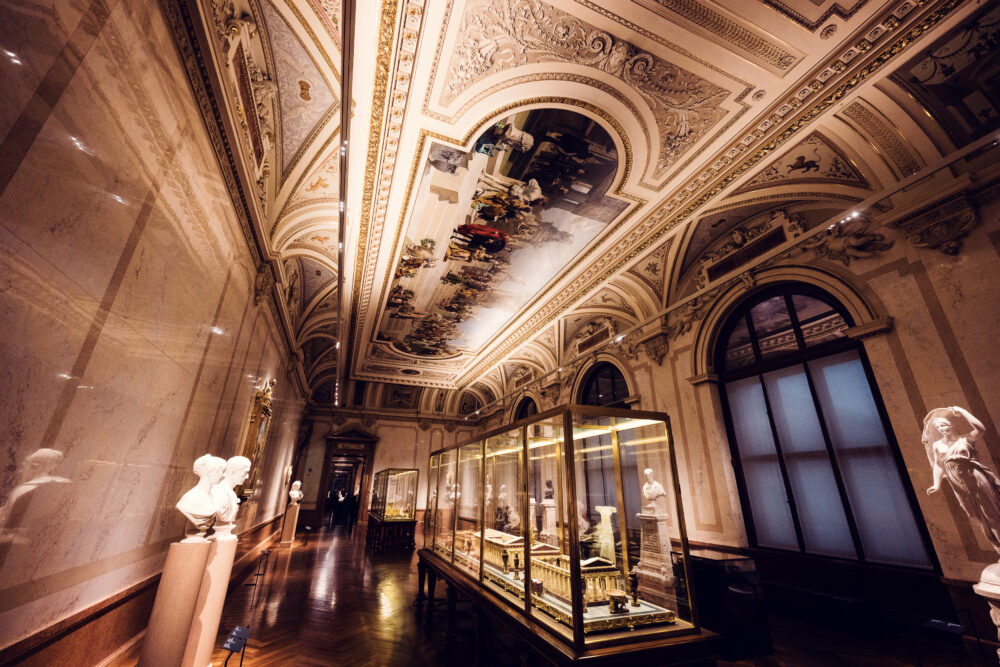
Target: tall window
<point>819,472</point>
<point>526,408</point>
<point>605,386</point>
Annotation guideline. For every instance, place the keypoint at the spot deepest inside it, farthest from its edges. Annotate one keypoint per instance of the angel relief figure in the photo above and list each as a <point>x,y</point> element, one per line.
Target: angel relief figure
<point>949,438</point>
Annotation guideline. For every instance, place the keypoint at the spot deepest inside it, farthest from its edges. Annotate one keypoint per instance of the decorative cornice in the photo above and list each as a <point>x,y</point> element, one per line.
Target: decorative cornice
<point>748,43</point>
<point>834,9</point>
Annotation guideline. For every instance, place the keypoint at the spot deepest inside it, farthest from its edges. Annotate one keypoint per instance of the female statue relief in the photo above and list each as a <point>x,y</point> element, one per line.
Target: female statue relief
<point>949,438</point>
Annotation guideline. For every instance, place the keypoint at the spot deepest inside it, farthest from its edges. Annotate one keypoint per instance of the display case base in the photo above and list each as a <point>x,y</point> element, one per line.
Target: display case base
<point>696,647</point>
<point>390,535</point>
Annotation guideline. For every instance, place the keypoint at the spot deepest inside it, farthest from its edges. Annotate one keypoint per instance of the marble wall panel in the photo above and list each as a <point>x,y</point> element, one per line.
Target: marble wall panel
<point>33,45</point>
<point>119,253</point>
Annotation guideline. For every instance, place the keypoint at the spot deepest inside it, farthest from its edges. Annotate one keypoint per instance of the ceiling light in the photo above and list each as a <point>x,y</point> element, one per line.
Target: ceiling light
<point>217,331</point>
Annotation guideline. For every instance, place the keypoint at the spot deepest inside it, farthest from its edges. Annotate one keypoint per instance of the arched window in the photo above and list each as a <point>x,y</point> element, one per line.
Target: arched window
<point>818,469</point>
<point>526,408</point>
<point>605,385</point>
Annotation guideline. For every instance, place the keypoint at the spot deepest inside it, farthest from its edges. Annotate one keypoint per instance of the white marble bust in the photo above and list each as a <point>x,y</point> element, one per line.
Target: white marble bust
<point>295,495</point>
<point>198,504</point>
<point>655,495</point>
<point>227,504</point>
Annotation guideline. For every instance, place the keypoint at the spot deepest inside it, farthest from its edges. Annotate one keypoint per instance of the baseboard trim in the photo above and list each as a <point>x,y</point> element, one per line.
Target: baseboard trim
<point>125,653</point>
<point>61,631</point>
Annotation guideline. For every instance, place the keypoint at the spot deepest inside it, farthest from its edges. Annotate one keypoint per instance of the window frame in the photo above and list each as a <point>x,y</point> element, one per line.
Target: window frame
<point>522,411</point>
<point>592,377</point>
<point>801,358</point>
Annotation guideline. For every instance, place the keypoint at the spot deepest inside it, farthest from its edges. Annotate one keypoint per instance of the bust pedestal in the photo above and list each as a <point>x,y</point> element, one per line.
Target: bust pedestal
<point>549,534</point>
<point>290,522</point>
<point>211,598</point>
<point>176,598</point>
<point>654,569</point>
<point>989,588</point>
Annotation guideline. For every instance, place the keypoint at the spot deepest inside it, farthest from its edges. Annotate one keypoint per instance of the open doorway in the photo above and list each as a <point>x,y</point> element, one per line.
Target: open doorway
<point>343,497</point>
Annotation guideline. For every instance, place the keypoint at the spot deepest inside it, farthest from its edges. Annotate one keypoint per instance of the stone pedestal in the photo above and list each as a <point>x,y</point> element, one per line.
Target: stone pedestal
<point>208,610</point>
<point>174,608</point>
<point>655,571</point>
<point>290,521</point>
<point>549,523</point>
<point>989,588</point>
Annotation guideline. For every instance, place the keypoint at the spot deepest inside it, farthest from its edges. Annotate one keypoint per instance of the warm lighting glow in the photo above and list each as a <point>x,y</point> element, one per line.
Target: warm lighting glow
<point>217,331</point>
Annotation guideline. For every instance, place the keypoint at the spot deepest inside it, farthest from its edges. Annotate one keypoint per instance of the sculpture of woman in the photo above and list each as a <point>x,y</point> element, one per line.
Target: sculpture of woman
<point>198,504</point>
<point>949,437</point>
<point>295,495</point>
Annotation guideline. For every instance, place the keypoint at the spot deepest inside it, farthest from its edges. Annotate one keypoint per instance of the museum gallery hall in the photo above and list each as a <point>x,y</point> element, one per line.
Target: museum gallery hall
<point>500,332</point>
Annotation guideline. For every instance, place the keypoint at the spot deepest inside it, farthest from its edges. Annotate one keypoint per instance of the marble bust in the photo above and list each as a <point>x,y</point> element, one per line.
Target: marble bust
<point>295,495</point>
<point>227,502</point>
<point>655,495</point>
<point>549,491</point>
<point>198,504</point>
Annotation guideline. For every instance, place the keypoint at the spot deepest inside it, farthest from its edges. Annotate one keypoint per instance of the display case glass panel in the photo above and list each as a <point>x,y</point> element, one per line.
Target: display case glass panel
<point>549,558</point>
<point>431,511</point>
<point>503,539</point>
<point>652,519</point>
<point>580,513</point>
<point>394,494</point>
<point>469,500</point>
<point>444,520</point>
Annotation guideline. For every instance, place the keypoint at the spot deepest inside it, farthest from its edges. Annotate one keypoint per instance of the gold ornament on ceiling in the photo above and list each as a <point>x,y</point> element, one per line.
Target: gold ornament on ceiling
<point>499,35</point>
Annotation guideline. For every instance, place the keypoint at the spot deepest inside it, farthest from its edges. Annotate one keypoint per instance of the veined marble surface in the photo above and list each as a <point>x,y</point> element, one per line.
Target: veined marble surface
<point>131,341</point>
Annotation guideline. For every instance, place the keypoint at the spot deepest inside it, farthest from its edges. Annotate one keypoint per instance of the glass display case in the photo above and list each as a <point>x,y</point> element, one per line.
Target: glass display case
<point>394,495</point>
<point>569,517</point>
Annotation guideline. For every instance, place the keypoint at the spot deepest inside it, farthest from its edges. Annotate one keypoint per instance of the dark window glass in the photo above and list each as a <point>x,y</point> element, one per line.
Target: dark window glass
<point>605,385</point>
<point>526,408</point>
<point>817,465</point>
<point>772,327</point>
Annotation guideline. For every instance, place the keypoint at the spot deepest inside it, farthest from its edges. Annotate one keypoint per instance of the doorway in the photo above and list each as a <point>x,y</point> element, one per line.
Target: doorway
<point>343,496</point>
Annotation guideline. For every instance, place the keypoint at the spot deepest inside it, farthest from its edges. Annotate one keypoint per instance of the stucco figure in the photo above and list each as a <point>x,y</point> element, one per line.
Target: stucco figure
<point>949,438</point>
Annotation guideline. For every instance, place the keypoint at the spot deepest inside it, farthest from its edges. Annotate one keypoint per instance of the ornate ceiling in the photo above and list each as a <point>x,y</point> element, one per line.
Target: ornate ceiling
<point>525,178</point>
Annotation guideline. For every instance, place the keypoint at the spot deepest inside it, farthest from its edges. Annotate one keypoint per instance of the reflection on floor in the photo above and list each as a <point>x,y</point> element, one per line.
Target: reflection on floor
<point>327,602</point>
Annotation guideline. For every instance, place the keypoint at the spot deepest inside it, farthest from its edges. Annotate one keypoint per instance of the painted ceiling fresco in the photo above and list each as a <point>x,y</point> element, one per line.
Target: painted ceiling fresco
<point>494,224</point>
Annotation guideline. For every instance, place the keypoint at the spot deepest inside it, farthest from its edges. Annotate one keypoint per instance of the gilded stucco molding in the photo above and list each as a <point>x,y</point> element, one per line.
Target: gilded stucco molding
<point>660,222</point>
<point>498,35</point>
<point>834,10</point>
<point>290,205</point>
<point>746,42</point>
<point>384,56</point>
<point>885,137</point>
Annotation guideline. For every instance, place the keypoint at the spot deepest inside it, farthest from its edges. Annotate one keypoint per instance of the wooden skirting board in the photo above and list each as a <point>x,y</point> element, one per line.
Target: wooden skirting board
<point>110,631</point>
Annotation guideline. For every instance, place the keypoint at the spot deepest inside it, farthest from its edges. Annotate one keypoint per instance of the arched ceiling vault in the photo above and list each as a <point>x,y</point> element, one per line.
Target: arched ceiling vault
<point>519,170</point>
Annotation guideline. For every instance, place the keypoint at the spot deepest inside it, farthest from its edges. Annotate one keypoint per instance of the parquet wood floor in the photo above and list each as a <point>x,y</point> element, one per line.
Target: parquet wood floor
<point>326,601</point>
